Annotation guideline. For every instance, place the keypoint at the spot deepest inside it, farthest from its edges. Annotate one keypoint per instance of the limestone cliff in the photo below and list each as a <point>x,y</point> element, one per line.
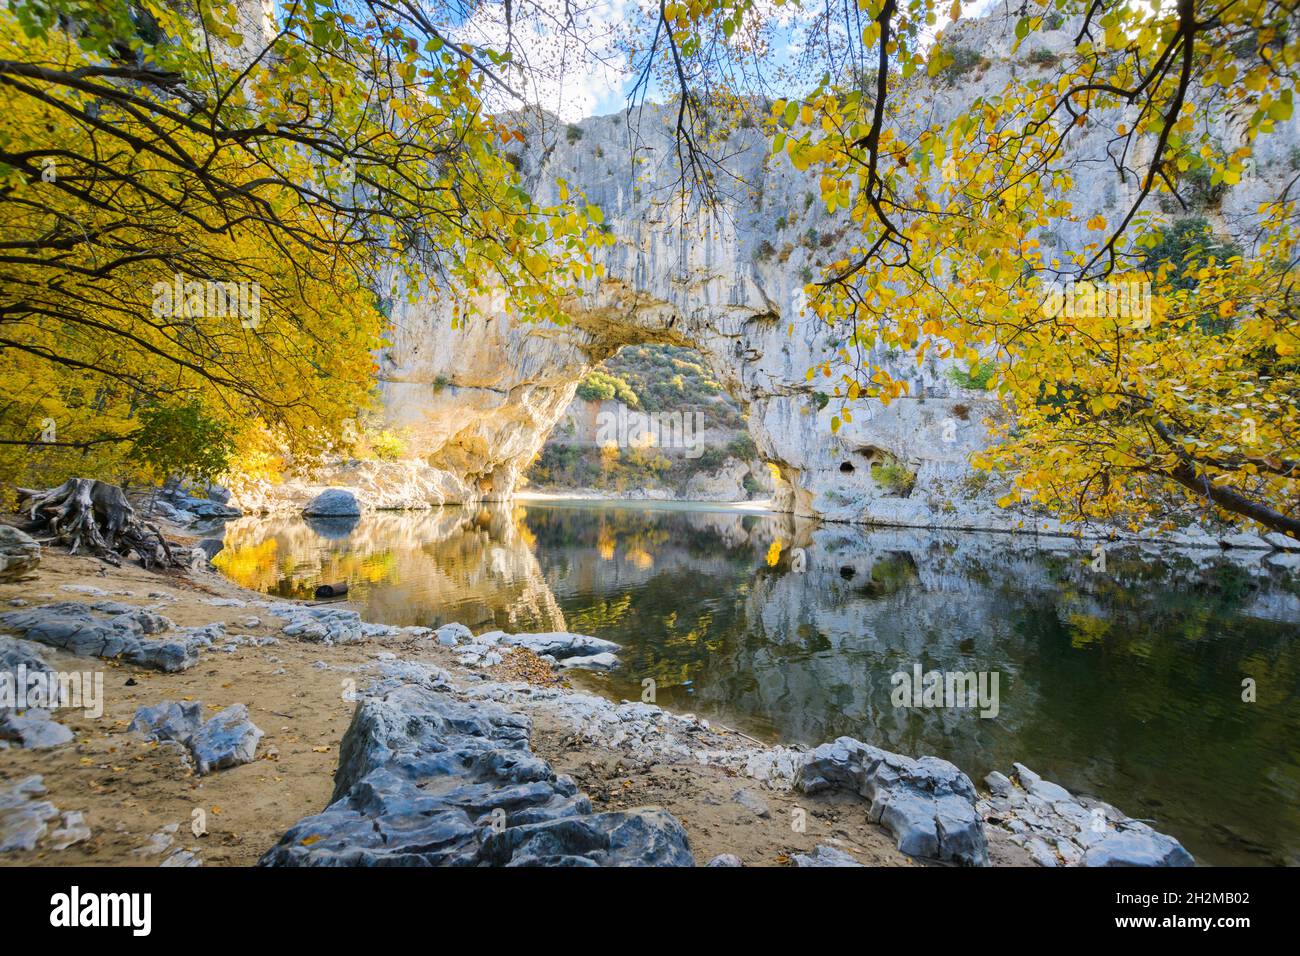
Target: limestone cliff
<point>478,401</point>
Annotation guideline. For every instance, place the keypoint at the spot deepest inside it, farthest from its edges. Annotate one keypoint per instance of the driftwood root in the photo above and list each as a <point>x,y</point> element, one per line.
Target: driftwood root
<point>94,516</point>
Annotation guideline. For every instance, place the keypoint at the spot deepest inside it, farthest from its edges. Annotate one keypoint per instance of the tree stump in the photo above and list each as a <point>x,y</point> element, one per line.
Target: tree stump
<point>85,513</point>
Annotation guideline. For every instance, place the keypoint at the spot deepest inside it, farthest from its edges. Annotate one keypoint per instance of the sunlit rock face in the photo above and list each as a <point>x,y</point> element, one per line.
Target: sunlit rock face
<point>727,280</point>
<point>479,400</point>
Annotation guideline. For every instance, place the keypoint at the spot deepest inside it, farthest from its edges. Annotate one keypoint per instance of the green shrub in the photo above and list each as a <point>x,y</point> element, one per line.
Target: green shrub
<point>182,439</point>
<point>962,60</point>
<point>600,386</point>
<point>710,459</point>
<point>893,476</point>
<point>672,378</point>
<point>979,379</point>
<point>742,447</point>
<point>975,483</point>
<point>1200,190</point>
<point>387,445</point>
<point>1187,244</point>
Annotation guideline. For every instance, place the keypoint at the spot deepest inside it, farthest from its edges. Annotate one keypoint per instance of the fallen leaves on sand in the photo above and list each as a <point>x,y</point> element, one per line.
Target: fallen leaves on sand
<point>521,664</point>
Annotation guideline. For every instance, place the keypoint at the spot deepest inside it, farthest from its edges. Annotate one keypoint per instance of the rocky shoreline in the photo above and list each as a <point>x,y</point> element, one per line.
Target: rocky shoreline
<point>439,764</point>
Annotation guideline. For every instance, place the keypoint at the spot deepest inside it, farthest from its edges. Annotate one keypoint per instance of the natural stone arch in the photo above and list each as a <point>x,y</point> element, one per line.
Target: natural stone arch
<point>479,400</point>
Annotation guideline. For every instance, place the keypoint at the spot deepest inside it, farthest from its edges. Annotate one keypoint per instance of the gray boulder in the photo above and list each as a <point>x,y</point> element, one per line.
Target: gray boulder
<point>211,546</point>
<point>323,625</point>
<point>24,819</point>
<point>641,837</point>
<point>1283,542</point>
<point>824,856</point>
<point>725,859</point>
<point>192,559</point>
<point>558,644</point>
<point>15,652</point>
<point>449,635</point>
<point>34,729</point>
<point>176,720</point>
<point>228,739</point>
<point>1137,847</point>
<point>425,779</point>
<point>753,803</point>
<point>1057,828</point>
<point>204,503</point>
<point>1245,539</point>
<point>74,830</point>
<point>19,553</point>
<point>591,662</point>
<point>205,509</point>
<point>927,804</point>
<point>333,503</point>
<point>109,630</point>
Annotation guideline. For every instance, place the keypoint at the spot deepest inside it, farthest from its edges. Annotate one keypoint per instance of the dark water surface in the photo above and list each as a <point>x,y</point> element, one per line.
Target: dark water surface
<point>1126,685</point>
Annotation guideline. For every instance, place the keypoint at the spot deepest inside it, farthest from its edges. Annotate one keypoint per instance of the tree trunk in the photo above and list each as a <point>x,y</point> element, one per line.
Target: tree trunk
<point>1188,473</point>
<point>91,514</point>
<point>1229,500</point>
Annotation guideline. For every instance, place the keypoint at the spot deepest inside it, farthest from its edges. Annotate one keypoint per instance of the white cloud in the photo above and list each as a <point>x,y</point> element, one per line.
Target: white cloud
<point>567,57</point>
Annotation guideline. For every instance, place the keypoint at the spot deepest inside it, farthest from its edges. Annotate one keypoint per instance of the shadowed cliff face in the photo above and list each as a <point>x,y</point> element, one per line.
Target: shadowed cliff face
<point>728,280</point>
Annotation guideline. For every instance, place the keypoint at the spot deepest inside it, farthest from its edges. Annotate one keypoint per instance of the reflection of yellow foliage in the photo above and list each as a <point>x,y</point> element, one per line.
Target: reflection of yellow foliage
<point>642,559</point>
<point>774,553</point>
<point>1086,629</point>
<point>252,566</point>
<point>520,517</point>
<point>375,568</point>
<point>600,616</point>
<point>606,542</point>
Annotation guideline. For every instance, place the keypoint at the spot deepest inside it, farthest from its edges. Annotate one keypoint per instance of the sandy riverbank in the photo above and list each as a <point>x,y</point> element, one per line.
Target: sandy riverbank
<point>130,790</point>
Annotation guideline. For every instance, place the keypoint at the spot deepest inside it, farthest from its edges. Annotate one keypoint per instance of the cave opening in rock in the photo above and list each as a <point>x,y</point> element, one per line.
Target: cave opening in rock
<point>653,420</point>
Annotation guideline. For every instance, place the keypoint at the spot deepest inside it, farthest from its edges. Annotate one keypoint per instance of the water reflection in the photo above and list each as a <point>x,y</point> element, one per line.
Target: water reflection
<point>1126,685</point>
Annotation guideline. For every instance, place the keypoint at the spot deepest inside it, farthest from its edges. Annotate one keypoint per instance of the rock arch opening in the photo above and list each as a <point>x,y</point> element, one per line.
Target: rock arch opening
<point>653,421</point>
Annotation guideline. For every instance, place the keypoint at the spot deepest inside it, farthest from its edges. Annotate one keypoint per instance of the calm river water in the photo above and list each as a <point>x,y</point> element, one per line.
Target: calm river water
<point>1125,685</point>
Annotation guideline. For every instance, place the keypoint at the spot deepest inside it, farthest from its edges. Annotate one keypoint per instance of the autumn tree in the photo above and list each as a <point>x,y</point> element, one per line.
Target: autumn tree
<point>1113,412</point>
<point>201,205</point>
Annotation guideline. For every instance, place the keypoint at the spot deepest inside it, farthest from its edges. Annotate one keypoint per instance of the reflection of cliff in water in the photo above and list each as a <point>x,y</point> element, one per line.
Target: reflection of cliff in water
<point>1124,684</point>
<point>1121,685</point>
<point>426,568</point>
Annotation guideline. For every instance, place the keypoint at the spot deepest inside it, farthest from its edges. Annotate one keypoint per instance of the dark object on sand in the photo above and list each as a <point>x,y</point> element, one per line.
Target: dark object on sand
<point>332,590</point>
